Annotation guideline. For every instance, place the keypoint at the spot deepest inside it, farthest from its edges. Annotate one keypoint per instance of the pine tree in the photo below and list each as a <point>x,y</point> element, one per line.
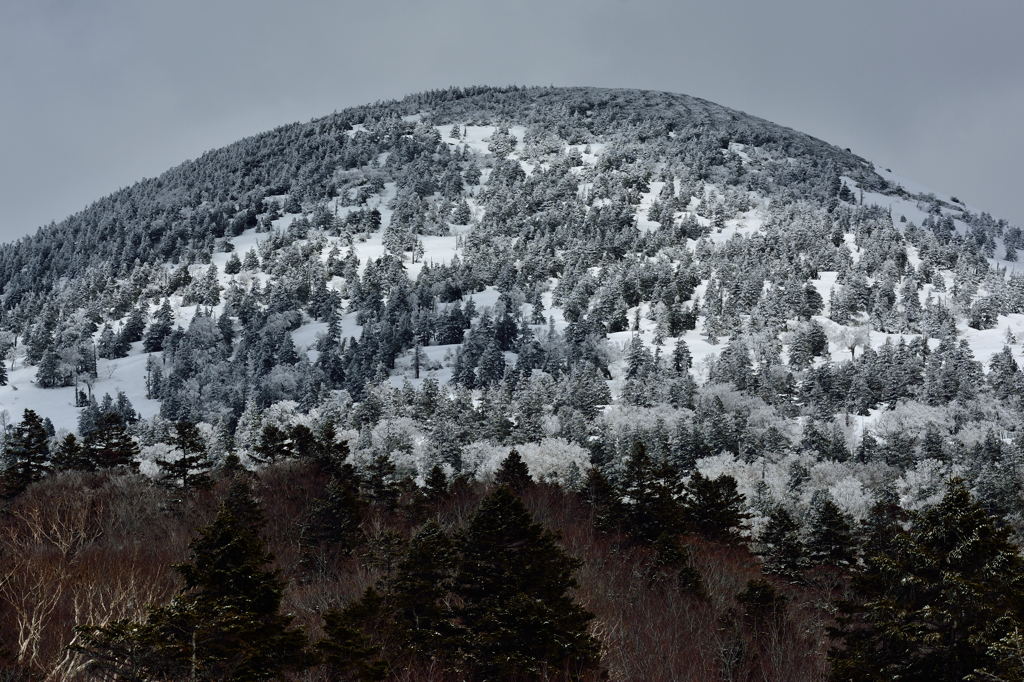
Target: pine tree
<point>275,444</point>
<point>648,497</point>
<point>416,596</point>
<point>50,374</point>
<point>513,472</point>
<point>28,454</point>
<point>673,560</point>
<point>233,266</point>
<point>346,649</point>
<point>159,328</point>
<point>225,622</point>
<point>134,327</point>
<point>782,550</point>
<point>605,501</point>
<point>335,520</point>
<point>829,533</point>
<point>435,486</point>
<point>714,508</point>
<point>381,481</point>
<point>70,456</point>
<point>932,602</point>
<point>192,468</point>
<point>109,444</point>
<point>512,582</point>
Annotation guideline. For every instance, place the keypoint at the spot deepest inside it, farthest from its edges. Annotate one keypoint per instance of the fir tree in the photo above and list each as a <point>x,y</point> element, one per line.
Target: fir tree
<point>109,444</point>
<point>649,497</point>
<point>829,534</point>
<point>192,468</point>
<point>28,454</point>
<point>512,582</point>
<point>435,486</point>
<point>936,600</point>
<point>335,520</point>
<point>782,550</point>
<point>233,266</point>
<point>513,472</point>
<point>714,508</point>
<point>225,623</point>
<point>159,328</point>
<point>69,455</point>
<point>416,596</point>
<point>346,650</point>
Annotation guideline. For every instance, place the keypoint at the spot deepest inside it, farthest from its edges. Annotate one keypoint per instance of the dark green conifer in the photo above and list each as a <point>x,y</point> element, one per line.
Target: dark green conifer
<point>781,548</point>
<point>69,455</point>
<point>192,468</point>
<point>512,582</point>
<point>346,650</point>
<point>28,454</point>
<point>937,602</point>
<point>513,472</point>
<point>714,508</point>
<point>225,622</point>
<point>829,534</point>
<point>109,444</point>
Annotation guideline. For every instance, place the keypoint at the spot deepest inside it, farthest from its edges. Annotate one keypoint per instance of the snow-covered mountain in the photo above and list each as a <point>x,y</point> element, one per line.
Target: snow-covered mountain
<point>564,270</point>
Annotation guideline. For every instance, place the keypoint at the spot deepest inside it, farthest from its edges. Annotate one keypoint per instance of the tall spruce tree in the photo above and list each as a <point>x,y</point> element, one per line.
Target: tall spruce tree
<point>159,328</point>
<point>28,454</point>
<point>781,548</point>
<point>714,508</point>
<point>416,597</point>
<point>224,624</point>
<point>513,472</point>
<point>938,602</point>
<point>108,444</point>
<point>69,455</point>
<point>192,468</point>
<point>829,533</point>
<point>512,582</point>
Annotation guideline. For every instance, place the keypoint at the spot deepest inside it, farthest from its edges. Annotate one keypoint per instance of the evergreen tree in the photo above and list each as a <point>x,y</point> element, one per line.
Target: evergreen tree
<point>109,444</point>
<point>69,455</point>
<point>829,533</point>
<point>346,650</point>
<point>416,596</point>
<point>159,328</point>
<point>381,481</point>
<point>648,498</point>
<point>435,485</point>
<point>192,468</point>
<point>274,444</point>
<point>674,560</point>
<point>28,454</point>
<point>50,373</point>
<point>714,508</point>
<point>513,472</point>
<point>134,327</point>
<point>512,582</point>
<point>224,624</point>
<point>233,266</point>
<point>782,550</point>
<point>335,519</point>
<point>936,603</point>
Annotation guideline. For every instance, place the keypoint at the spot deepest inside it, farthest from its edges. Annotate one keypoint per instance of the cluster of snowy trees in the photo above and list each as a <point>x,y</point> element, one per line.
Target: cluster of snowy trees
<point>608,240</point>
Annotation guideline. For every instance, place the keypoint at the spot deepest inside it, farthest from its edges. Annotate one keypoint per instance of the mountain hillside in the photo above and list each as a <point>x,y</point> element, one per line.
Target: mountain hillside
<point>515,384</point>
<point>566,270</point>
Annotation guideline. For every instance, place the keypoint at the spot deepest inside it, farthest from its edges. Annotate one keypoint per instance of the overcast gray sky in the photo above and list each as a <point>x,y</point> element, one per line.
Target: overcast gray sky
<point>95,95</point>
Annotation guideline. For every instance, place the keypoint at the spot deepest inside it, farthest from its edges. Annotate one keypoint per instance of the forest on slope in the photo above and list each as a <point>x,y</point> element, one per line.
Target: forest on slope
<point>658,303</point>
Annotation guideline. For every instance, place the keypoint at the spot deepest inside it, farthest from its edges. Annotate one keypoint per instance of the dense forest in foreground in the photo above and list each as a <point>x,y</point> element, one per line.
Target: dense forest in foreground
<point>310,570</point>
